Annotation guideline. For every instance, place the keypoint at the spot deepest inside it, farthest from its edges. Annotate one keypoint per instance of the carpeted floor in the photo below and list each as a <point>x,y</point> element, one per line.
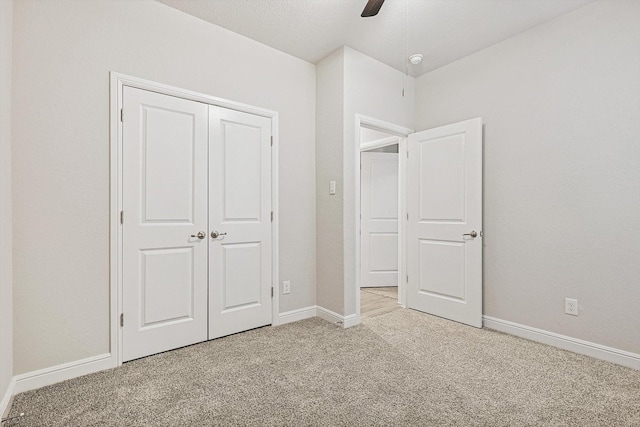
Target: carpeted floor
<point>401,368</point>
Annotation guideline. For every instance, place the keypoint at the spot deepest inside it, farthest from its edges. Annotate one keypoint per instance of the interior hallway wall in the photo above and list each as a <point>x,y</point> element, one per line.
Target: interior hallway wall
<point>348,83</point>
<point>6,263</point>
<point>329,131</point>
<point>374,90</point>
<point>64,51</point>
<point>561,109</point>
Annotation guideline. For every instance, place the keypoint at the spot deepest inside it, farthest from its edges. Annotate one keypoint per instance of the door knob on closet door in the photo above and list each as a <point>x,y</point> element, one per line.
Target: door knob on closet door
<point>201,235</point>
<point>215,234</point>
<point>473,234</point>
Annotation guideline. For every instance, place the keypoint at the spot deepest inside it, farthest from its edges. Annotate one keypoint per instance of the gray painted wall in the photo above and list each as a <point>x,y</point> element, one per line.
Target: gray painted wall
<point>329,131</point>
<point>63,53</point>
<point>372,89</point>
<point>6,298</point>
<point>561,109</point>
<point>348,83</point>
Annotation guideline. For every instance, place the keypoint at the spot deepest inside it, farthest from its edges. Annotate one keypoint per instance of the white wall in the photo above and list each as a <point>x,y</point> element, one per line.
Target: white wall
<point>6,303</point>
<point>348,83</point>
<point>63,53</point>
<point>329,131</point>
<point>561,108</point>
<point>372,89</point>
<point>368,135</point>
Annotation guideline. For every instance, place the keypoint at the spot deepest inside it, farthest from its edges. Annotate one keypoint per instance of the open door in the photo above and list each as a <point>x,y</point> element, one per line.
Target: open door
<point>379,219</point>
<point>444,227</point>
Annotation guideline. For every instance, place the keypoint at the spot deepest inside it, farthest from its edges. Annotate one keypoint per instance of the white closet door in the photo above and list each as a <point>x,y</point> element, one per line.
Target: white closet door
<point>444,195</point>
<point>165,203</point>
<point>379,224</point>
<point>240,211</point>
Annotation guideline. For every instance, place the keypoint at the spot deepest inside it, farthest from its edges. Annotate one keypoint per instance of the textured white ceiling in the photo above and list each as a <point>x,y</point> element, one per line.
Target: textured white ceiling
<point>442,30</point>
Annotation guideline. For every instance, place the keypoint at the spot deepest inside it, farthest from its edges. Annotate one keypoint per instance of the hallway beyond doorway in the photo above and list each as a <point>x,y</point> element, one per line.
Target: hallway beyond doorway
<point>378,301</point>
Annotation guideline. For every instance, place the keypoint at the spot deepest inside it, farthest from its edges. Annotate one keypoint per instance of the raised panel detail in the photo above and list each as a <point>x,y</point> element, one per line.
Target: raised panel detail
<point>442,269</point>
<point>442,179</point>
<point>384,179</point>
<point>242,182</point>
<point>241,275</point>
<point>167,285</point>
<point>383,252</point>
<point>168,165</point>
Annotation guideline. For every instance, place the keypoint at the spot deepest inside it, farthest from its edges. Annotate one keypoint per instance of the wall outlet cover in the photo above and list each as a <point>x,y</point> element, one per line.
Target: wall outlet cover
<point>571,306</point>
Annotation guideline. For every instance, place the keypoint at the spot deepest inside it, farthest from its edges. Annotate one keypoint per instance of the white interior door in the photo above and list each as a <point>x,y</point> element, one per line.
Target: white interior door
<point>379,219</point>
<point>444,238</point>
<point>164,194</point>
<point>240,211</point>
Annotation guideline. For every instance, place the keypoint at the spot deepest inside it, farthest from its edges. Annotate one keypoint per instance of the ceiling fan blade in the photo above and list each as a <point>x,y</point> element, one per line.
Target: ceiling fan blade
<point>372,8</point>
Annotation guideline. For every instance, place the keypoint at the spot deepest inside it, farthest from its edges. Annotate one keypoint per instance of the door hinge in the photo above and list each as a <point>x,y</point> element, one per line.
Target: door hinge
<point>121,319</point>
<point>122,115</point>
<point>407,278</point>
<point>407,154</point>
<point>121,217</point>
<point>407,216</point>
<point>272,140</point>
<point>272,292</point>
<point>271,216</point>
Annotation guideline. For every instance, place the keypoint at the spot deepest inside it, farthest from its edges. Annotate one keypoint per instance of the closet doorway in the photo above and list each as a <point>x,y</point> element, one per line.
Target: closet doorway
<point>195,220</point>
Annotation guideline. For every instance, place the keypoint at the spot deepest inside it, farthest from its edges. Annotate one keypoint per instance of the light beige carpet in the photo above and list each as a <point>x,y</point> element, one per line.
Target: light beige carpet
<point>402,368</point>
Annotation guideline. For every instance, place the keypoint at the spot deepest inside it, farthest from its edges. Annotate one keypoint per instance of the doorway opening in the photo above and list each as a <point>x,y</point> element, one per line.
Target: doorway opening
<point>380,217</point>
<point>379,222</point>
<point>439,217</point>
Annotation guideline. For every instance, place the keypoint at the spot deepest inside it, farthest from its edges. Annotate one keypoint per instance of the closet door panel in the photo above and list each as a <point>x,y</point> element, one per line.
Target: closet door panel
<point>240,212</point>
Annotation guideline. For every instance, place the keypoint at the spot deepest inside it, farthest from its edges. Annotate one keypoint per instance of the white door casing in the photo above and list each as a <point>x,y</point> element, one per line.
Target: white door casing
<point>240,206</point>
<point>379,219</point>
<point>444,198</point>
<point>164,268</point>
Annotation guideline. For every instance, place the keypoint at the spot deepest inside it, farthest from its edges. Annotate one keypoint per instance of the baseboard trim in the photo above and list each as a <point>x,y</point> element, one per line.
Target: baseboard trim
<point>5,403</point>
<point>66,371</point>
<point>330,316</point>
<point>351,320</point>
<point>296,315</point>
<point>610,354</point>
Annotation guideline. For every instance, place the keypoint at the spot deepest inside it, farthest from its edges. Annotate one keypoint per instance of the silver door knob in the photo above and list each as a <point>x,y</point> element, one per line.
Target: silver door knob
<point>201,235</point>
<point>215,234</point>
<point>473,234</point>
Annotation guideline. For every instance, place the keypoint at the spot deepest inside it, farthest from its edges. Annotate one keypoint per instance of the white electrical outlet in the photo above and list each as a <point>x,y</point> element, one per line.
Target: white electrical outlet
<point>571,306</point>
<point>286,287</point>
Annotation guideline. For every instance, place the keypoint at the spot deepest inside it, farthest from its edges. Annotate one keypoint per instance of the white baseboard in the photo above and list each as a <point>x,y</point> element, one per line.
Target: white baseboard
<point>66,371</point>
<point>330,316</point>
<point>295,315</point>
<point>351,320</point>
<point>5,403</point>
<point>610,354</point>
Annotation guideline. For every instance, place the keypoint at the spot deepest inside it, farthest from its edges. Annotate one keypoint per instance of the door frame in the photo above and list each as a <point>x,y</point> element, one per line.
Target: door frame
<point>117,83</point>
<point>401,133</point>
